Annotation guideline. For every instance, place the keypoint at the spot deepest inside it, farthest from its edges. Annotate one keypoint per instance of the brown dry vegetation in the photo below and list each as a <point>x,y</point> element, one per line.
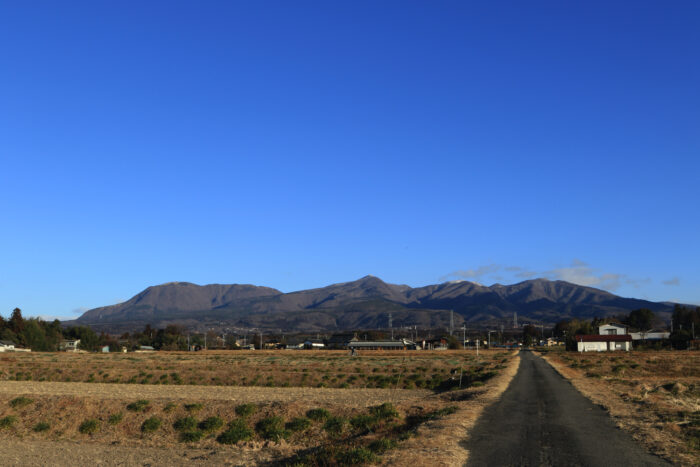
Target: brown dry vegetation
<point>654,395</point>
<point>63,407</point>
<point>333,369</point>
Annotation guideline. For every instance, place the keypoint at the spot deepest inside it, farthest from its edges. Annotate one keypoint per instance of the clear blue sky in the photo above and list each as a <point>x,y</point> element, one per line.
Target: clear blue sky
<point>297,144</point>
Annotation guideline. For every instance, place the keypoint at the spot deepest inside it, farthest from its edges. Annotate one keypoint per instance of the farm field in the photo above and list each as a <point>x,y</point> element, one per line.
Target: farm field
<point>655,395</point>
<point>284,419</point>
<point>334,369</point>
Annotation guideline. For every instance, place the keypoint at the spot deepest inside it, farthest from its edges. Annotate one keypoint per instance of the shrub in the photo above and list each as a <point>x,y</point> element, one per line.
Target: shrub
<point>386,411</point>
<point>211,424</point>
<point>139,406</point>
<point>356,456</point>
<point>8,421</point>
<point>89,426</point>
<point>185,424</point>
<point>191,436</point>
<point>363,422</point>
<point>298,424</point>
<point>169,407</point>
<point>41,426</point>
<point>382,445</point>
<point>318,414</point>
<point>21,401</point>
<point>272,428</point>
<point>237,431</point>
<point>150,425</point>
<point>334,425</point>
<point>193,407</point>
<point>246,410</point>
<point>115,418</point>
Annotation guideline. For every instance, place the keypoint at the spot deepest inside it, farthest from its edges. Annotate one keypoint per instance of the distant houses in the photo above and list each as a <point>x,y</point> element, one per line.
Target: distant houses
<point>69,345</point>
<point>603,343</point>
<point>7,346</point>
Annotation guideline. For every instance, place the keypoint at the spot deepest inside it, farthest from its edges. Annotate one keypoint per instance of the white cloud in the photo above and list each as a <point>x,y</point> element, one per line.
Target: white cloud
<point>578,272</point>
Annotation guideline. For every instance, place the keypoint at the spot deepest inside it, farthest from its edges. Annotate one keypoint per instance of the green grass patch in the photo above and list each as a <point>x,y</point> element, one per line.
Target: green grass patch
<point>185,424</point>
<point>272,428</point>
<point>246,410</point>
<point>115,418</point>
<point>386,411</point>
<point>335,425</point>
<point>382,445</point>
<point>237,431</point>
<point>8,421</point>
<point>298,424</point>
<point>41,427</point>
<point>356,456</point>
<point>151,424</point>
<point>140,405</point>
<point>21,401</point>
<point>318,414</point>
<point>191,436</point>
<point>89,426</point>
<point>210,424</point>
<point>196,407</point>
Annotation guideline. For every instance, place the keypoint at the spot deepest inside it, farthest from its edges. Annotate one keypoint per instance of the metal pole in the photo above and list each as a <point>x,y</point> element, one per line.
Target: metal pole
<point>464,340</point>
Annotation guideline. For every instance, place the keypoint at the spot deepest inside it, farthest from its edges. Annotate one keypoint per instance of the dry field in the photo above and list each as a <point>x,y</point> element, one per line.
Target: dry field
<point>364,416</point>
<point>334,369</point>
<point>655,395</point>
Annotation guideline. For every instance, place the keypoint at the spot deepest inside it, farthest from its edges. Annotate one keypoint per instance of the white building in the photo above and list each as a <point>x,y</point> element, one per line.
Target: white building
<point>69,345</point>
<point>651,335</point>
<point>7,346</point>
<point>603,343</point>
<point>612,329</point>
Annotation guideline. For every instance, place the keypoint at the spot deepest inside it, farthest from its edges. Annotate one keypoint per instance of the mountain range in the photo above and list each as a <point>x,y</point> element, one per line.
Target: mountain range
<point>365,303</point>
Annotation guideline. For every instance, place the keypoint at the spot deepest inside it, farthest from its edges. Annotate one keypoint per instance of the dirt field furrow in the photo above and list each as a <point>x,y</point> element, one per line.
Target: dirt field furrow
<point>358,397</point>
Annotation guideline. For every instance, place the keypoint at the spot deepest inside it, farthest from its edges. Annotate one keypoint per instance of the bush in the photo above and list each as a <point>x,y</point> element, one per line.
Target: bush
<point>150,425</point>
<point>298,424</point>
<point>334,425</point>
<point>185,424</point>
<point>193,407</point>
<point>211,424</point>
<point>272,428</point>
<point>138,406</point>
<point>356,456</point>
<point>21,401</point>
<point>8,421</point>
<point>41,426</point>
<point>386,411</point>
<point>363,422</point>
<point>89,426</point>
<point>318,414</point>
<point>237,431</point>
<point>115,418</point>
<point>246,410</point>
<point>191,436</point>
<point>169,407</point>
<point>382,445</point>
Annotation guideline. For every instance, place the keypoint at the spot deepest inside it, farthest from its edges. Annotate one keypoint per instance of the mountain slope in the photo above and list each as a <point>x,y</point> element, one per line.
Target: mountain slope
<point>364,303</point>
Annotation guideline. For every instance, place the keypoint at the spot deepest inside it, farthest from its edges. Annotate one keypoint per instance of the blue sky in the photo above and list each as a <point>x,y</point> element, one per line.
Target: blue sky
<point>297,144</point>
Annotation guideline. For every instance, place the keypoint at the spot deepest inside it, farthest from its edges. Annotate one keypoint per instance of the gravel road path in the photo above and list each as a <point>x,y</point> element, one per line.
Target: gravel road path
<point>542,420</point>
<point>356,397</point>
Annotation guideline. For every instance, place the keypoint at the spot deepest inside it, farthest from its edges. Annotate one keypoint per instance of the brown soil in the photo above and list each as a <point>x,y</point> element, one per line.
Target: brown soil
<point>65,405</point>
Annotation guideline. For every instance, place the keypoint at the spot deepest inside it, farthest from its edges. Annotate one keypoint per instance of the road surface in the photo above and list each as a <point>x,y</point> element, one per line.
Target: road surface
<point>542,420</point>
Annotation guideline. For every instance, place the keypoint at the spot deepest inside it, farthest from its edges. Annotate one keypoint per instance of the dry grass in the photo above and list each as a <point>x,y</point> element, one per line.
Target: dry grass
<point>654,395</point>
<point>333,369</point>
<point>64,406</point>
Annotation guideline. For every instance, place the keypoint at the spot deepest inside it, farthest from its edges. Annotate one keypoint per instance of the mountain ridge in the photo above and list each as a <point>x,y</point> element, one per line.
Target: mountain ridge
<point>362,303</point>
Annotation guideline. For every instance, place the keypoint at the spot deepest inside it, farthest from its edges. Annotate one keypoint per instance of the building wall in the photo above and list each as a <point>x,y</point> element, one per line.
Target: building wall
<point>602,346</point>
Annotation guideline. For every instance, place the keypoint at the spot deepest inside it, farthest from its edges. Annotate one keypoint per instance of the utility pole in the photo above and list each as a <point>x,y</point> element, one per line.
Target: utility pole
<point>205,341</point>
<point>391,327</point>
<point>477,350</point>
<point>489,332</point>
<point>452,322</point>
<point>464,337</point>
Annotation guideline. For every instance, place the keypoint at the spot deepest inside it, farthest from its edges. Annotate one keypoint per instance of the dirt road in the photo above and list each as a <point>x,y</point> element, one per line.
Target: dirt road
<point>542,420</point>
